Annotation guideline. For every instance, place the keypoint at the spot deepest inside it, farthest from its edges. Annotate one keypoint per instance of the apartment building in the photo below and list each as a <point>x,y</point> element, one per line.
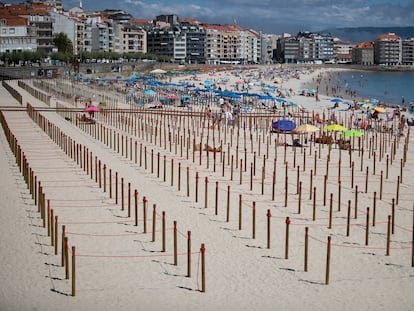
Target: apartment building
<point>342,51</point>
<point>38,18</point>
<point>363,54</point>
<point>16,34</point>
<point>408,52</point>
<point>388,49</point>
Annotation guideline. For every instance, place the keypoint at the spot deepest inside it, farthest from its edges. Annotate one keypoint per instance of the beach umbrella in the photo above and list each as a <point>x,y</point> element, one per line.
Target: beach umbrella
<point>284,125</point>
<point>380,109</point>
<point>374,101</point>
<point>173,96</point>
<point>265,97</point>
<point>231,95</point>
<point>336,100</point>
<point>150,92</point>
<point>352,133</point>
<point>307,128</point>
<point>366,105</point>
<point>92,109</point>
<point>280,100</point>
<point>158,71</point>
<point>335,128</point>
<point>313,91</point>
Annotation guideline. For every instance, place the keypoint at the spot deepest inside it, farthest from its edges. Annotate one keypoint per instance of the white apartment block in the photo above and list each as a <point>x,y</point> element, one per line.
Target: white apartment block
<point>17,38</point>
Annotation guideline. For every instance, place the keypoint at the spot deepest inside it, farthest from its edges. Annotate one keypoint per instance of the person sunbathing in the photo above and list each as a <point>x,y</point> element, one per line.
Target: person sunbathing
<point>211,149</point>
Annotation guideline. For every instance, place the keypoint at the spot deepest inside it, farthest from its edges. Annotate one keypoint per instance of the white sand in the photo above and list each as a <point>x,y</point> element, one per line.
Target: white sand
<point>118,267</point>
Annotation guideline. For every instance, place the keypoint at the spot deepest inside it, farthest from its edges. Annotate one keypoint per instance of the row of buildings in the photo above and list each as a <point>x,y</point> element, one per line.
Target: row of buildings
<point>387,49</point>
<point>32,25</point>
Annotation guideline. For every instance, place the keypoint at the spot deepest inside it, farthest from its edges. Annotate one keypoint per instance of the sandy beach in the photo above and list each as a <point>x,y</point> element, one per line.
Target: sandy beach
<point>283,227</point>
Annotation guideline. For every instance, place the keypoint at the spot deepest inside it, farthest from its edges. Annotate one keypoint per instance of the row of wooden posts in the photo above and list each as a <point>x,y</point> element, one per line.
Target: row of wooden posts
<point>117,183</point>
<point>330,221</point>
<point>88,168</point>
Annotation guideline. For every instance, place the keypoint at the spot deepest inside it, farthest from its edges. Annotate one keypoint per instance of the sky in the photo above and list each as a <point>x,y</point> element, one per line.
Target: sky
<point>268,16</point>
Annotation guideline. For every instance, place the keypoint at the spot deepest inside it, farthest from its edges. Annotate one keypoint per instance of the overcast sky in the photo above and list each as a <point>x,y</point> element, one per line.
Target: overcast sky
<point>269,16</point>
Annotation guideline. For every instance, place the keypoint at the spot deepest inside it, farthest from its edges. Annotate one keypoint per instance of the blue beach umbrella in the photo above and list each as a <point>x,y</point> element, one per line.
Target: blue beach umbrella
<point>280,100</point>
<point>150,92</point>
<point>265,97</point>
<point>336,100</point>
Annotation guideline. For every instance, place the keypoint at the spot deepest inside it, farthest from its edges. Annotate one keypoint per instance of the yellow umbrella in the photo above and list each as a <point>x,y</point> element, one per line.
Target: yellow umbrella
<point>307,128</point>
<point>335,128</point>
<point>380,109</point>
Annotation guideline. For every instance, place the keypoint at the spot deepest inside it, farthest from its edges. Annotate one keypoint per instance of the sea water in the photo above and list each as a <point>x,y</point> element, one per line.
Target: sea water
<point>389,87</point>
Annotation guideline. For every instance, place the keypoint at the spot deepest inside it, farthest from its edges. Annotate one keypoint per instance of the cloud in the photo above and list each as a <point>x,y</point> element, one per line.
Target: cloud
<point>275,16</point>
<point>269,16</point>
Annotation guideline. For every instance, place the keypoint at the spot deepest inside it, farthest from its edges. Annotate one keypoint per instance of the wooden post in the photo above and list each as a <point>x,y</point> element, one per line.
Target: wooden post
<point>287,238</point>
<point>175,244</point>
<point>328,261</point>
<point>398,190</point>
<point>352,174</point>
<point>129,199</point>
<point>144,213</point>
<point>374,207</point>
<point>240,211</point>
<point>228,204</point>
<point>269,216</point>
<point>56,234</point>
<point>154,218</point>
<point>254,220</point>
<point>286,191</point>
<point>339,196</point>
<point>381,185</point>
<point>388,235</point>
<point>392,215</point>
<point>188,253</point>
<point>122,193</point>
<point>206,192</point>
<point>300,198</point>
<point>356,202</point>
<point>66,255</point>
<point>136,206</point>
<point>163,231</point>
<point>330,210</point>
<point>110,183</point>
<point>314,203</point>
<point>73,271</point>
<point>179,176</point>
<point>348,219</point>
<point>116,187</point>
<point>52,230</point>
<point>367,227</point>
<point>203,268</point>
<point>188,181</point>
<point>196,187</point>
<point>306,249</point>
<point>216,199</point>
<point>63,245</point>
